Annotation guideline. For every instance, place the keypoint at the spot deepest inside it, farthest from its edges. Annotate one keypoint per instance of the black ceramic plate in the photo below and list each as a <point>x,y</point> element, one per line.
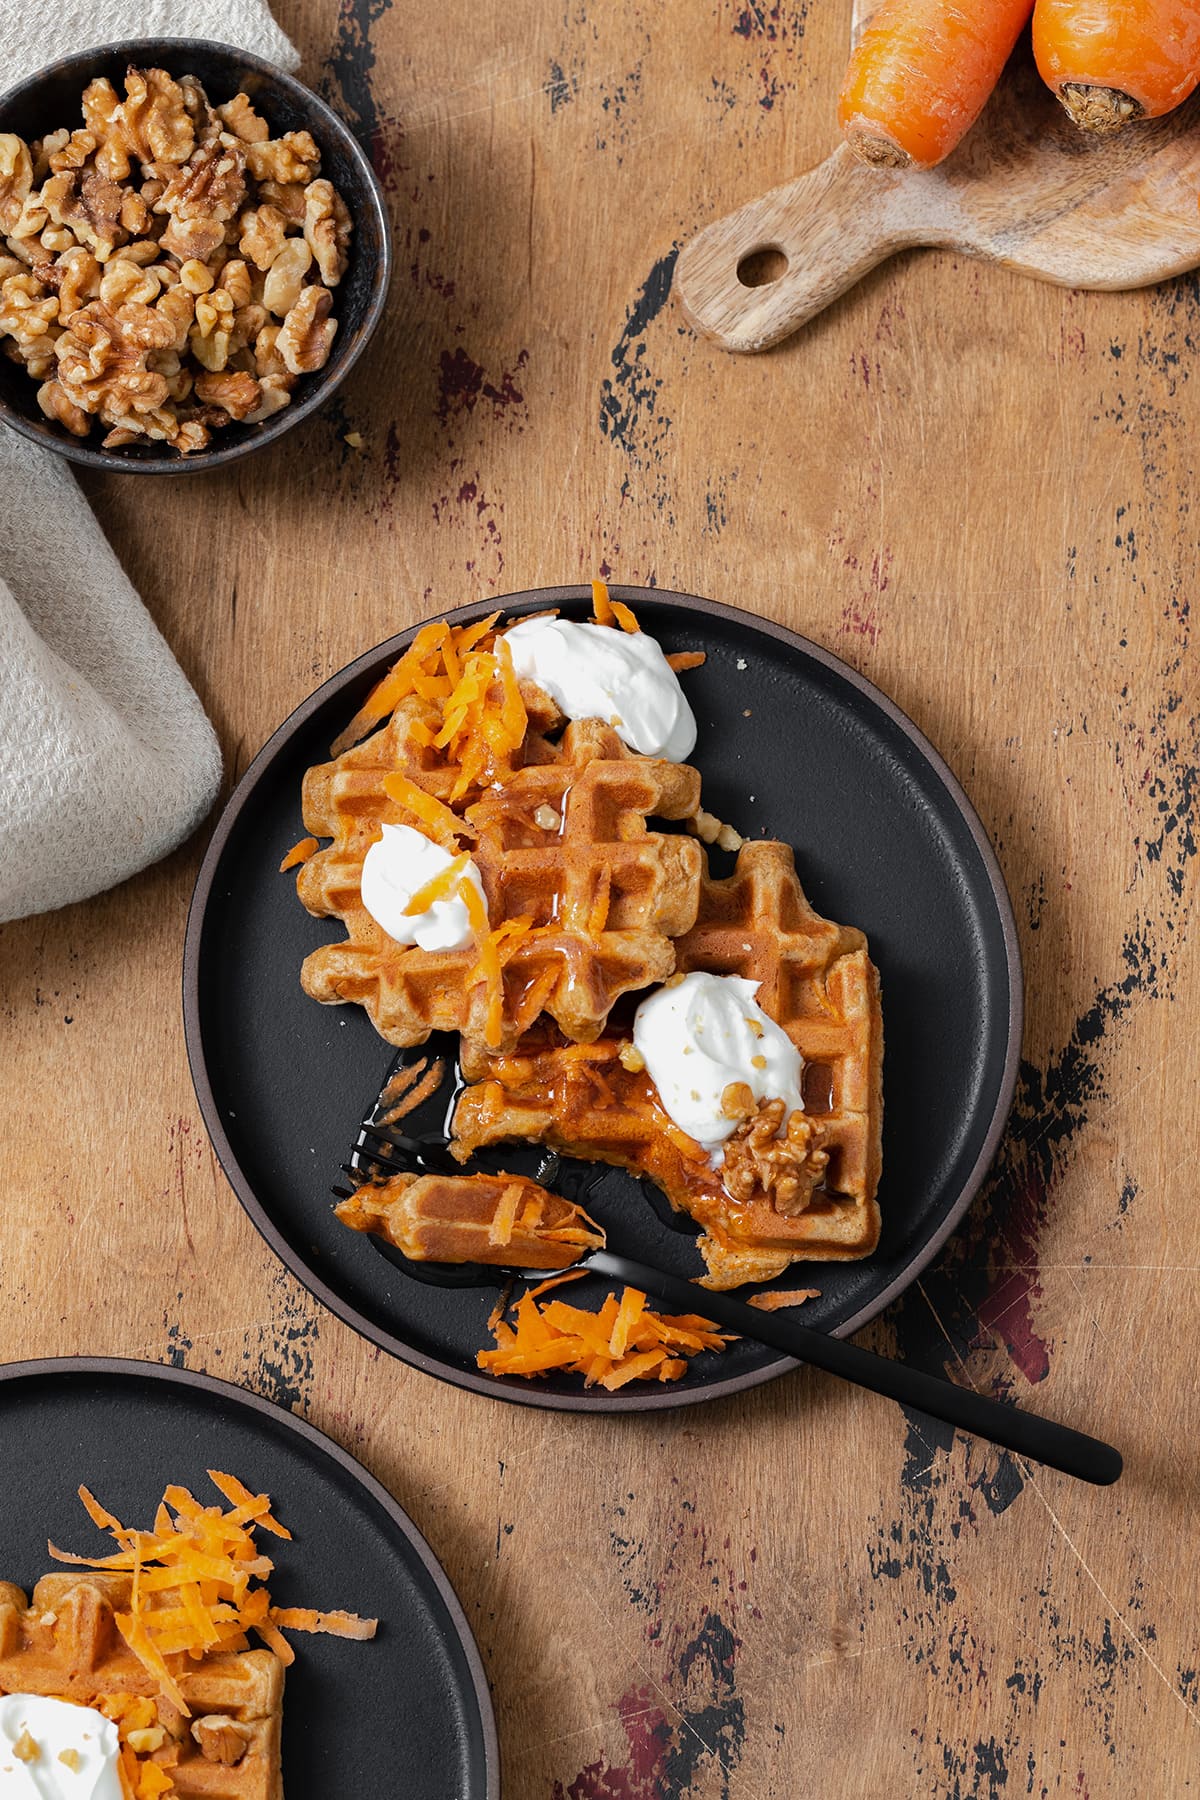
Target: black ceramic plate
<point>793,745</point>
<point>405,1717</point>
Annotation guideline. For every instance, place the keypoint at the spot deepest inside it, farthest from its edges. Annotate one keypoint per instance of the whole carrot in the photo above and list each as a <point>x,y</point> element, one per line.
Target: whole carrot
<point>1111,61</point>
<point>921,74</point>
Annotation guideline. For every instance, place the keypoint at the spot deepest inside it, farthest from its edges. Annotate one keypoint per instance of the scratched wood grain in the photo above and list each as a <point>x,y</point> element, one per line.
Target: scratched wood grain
<point>977,489</point>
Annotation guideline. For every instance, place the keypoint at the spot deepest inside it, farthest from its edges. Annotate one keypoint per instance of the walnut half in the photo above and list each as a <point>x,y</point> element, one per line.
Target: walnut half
<point>786,1169</point>
<point>221,1739</point>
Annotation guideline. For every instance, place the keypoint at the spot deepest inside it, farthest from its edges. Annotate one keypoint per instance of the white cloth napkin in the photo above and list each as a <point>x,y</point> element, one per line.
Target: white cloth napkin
<point>107,761</point>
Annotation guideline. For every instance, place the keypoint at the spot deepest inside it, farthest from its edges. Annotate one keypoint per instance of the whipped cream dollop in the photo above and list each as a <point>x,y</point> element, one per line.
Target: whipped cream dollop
<point>597,672</point>
<point>394,870</point>
<point>698,1035</point>
<point>37,1733</point>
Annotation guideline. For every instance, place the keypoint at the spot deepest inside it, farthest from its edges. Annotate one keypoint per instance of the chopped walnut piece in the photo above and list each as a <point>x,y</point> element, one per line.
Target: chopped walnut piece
<point>192,436</point>
<point>239,116</point>
<point>275,392</point>
<point>179,309</point>
<point>102,358</point>
<point>263,231</point>
<point>76,274</point>
<point>235,281</point>
<point>237,392</point>
<point>150,125</point>
<point>193,240</point>
<point>90,205</point>
<point>221,1739</point>
<point>285,277</point>
<point>71,153</point>
<point>288,198</point>
<point>210,185</point>
<point>785,1168</point>
<point>54,402</point>
<point>16,179</point>
<point>27,311</point>
<point>293,157</point>
<point>327,230</point>
<point>123,280</point>
<point>737,1101</point>
<point>306,335</point>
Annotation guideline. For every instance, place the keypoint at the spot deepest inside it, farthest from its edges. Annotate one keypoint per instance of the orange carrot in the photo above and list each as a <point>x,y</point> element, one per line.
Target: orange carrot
<point>299,853</point>
<point>1111,61</point>
<point>921,74</point>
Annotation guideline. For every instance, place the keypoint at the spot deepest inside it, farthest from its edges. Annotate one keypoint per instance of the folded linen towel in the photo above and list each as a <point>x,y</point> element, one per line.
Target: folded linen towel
<point>107,760</point>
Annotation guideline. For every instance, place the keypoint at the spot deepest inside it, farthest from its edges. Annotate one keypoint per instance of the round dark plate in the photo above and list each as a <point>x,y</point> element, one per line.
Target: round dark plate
<point>405,1716</point>
<point>793,745</point>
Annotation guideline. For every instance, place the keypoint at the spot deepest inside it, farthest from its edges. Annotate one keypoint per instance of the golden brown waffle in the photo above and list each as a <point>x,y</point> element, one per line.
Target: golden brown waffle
<point>503,1219</point>
<point>564,841</point>
<point>819,983</point>
<point>65,1644</point>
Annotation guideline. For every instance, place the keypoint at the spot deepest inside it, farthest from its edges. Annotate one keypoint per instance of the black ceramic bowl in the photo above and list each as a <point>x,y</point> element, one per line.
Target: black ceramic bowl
<point>51,99</point>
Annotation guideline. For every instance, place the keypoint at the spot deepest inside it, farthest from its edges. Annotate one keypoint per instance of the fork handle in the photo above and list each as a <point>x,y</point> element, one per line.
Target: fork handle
<point>1057,1446</point>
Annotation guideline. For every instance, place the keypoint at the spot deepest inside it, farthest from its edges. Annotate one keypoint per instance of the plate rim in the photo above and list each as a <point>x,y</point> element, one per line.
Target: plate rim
<point>659,1400</point>
<point>138,1368</point>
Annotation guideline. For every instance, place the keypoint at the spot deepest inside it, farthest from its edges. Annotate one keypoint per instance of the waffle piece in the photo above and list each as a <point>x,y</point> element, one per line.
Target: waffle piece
<point>504,1219</point>
<point>818,982</point>
<point>561,841</point>
<point>65,1644</point>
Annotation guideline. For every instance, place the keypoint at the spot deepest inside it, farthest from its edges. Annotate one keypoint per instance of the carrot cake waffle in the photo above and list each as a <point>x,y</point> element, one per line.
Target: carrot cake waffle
<point>135,1670</point>
<point>491,820</point>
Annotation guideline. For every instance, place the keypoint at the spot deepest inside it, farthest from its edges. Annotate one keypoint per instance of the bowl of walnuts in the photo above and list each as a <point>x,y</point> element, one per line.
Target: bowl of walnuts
<point>194,253</point>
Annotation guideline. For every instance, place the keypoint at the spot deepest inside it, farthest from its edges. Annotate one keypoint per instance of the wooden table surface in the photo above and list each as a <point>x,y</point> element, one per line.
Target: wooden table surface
<point>976,489</point>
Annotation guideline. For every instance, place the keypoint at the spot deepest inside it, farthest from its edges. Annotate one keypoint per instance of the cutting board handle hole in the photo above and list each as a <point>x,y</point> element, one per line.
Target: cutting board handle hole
<point>761,267</point>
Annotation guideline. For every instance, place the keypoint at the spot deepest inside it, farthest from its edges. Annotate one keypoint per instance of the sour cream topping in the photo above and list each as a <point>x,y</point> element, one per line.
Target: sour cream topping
<point>597,672</point>
<point>698,1035</point>
<point>394,870</point>
<point>36,1732</point>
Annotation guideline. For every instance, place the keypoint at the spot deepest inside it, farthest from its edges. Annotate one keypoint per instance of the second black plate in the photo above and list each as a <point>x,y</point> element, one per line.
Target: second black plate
<point>793,745</point>
<point>404,1717</point>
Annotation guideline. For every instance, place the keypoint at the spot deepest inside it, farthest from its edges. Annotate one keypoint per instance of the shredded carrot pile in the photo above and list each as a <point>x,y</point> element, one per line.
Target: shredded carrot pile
<point>483,720</point>
<point>299,853</point>
<point>625,1341</point>
<point>192,1581</point>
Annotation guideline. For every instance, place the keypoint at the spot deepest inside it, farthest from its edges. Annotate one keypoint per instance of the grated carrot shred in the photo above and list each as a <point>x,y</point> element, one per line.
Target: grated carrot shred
<point>442,823</point>
<point>191,1594</point>
<point>601,604</point>
<point>682,660</point>
<point>624,1341</point>
<point>505,1216</point>
<point>439,886</point>
<point>625,617</point>
<point>299,853</point>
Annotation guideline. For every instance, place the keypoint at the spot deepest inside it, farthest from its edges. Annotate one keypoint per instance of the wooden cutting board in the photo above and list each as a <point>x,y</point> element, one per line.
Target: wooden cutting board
<point>1026,189</point>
